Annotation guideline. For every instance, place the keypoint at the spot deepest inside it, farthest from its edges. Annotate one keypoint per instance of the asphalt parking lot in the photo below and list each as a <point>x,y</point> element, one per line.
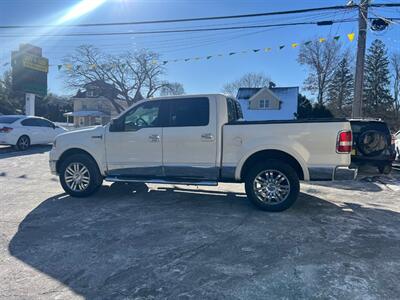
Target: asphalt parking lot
<point>339,240</point>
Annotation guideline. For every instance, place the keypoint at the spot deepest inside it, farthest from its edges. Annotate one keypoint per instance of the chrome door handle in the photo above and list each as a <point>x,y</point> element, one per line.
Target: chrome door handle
<point>207,137</point>
<point>154,138</point>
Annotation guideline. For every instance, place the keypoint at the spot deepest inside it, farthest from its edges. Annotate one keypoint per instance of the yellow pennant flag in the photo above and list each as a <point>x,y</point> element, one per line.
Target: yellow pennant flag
<point>294,45</point>
<point>350,36</point>
<point>321,40</point>
<point>267,49</point>
<point>92,66</point>
<point>154,62</point>
<point>69,67</point>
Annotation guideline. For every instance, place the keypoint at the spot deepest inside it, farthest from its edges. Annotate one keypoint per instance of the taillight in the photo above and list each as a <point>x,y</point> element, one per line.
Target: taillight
<point>344,142</point>
<point>5,129</point>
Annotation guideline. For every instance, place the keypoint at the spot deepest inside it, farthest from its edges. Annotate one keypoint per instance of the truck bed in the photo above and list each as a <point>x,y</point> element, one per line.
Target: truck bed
<point>311,142</point>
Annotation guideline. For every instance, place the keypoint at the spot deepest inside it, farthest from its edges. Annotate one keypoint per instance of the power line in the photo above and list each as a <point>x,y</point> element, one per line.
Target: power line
<point>274,13</point>
<point>384,5</point>
<point>330,22</point>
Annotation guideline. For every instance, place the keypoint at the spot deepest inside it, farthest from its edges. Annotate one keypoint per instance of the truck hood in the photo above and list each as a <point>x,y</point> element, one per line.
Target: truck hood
<point>80,136</point>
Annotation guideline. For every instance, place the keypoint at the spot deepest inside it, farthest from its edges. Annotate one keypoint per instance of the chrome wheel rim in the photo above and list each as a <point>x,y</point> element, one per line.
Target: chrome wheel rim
<point>77,177</point>
<point>23,142</point>
<point>271,186</point>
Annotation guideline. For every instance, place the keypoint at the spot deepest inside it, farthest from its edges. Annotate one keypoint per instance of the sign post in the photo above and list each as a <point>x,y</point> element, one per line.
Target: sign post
<point>29,104</point>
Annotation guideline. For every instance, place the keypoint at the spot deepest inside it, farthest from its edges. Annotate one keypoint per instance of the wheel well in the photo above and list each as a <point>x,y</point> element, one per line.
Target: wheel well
<point>70,152</point>
<point>272,154</point>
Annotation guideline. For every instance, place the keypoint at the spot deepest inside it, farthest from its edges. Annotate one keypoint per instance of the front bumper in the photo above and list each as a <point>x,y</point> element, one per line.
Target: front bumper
<point>53,167</point>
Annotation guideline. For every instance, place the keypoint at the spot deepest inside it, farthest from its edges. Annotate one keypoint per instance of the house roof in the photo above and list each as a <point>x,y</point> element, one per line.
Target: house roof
<point>104,89</point>
<point>246,93</point>
<point>269,92</point>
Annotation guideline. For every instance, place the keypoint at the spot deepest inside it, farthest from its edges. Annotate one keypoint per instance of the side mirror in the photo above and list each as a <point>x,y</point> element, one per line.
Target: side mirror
<point>116,125</point>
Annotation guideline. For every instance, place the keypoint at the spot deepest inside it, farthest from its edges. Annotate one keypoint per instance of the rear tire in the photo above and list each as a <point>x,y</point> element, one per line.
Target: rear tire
<point>385,169</point>
<point>23,143</point>
<point>80,175</point>
<point>272,185</point>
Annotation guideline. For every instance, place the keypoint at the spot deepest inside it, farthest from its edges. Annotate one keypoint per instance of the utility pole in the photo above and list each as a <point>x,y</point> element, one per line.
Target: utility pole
<point>361,43</point>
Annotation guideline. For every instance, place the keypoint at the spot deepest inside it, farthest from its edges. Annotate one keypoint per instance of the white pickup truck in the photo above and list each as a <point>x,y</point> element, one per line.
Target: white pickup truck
<point>202,140</point>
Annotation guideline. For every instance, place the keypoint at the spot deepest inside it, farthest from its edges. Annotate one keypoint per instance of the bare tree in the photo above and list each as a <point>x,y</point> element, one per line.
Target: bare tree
<point>172,89</point>
<point>250,80</point>
<point>135,75</point>
<point>321,58</point>
<point>395,60</point>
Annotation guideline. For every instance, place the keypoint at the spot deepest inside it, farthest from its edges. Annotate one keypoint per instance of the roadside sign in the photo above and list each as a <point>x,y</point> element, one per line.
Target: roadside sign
<point>29,70</point>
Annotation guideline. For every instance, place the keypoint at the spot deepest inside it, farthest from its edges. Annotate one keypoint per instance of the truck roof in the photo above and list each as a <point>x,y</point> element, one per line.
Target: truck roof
<point>189,96</point>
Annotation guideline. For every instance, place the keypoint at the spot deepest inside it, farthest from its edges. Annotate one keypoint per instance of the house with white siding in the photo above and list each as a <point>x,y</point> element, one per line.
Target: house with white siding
<point>92,106</point>
<point>274,103</point>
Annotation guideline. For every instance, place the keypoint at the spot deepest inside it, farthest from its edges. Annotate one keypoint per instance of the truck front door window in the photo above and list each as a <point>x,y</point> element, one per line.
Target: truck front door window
<point>145,115</point>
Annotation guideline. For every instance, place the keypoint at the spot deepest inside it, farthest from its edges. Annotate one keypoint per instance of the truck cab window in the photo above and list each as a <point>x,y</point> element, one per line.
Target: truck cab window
<point>145,115</point>
<point>234,110</point>
<point>189,112</point>
<point>238,110</point>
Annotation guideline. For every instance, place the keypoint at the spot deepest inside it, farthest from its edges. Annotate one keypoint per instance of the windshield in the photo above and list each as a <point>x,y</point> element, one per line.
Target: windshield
<point>8,119</point>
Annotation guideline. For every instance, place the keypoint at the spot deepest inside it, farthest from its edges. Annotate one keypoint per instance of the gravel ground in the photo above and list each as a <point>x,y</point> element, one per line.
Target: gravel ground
<point>339,240</point>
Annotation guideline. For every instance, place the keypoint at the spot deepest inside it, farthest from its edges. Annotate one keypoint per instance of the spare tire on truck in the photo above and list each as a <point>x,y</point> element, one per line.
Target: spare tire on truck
<point>372,144</point>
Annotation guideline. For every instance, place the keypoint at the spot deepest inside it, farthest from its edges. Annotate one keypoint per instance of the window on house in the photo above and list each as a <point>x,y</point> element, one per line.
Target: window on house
<point>264,103</point>
<point>91,92</point>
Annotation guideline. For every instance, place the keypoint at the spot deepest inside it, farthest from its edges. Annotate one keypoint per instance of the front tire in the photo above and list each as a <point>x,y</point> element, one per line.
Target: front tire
<point>23,143</point>
<point>80,175</point>
<point>272,185</point>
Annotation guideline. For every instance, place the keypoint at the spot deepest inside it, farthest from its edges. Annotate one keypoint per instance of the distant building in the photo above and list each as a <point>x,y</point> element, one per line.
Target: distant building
<point>92,105</point>
<point>274,103</point>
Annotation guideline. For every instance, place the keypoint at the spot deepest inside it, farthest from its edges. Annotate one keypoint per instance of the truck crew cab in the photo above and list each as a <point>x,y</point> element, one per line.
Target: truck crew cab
<point>202,140</point>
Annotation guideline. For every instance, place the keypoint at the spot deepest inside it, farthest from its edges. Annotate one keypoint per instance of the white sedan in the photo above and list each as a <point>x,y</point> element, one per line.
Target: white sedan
<point>23,131</point>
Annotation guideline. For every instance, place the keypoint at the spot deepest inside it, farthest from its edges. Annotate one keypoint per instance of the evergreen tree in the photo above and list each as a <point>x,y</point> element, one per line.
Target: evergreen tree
<point>377,99</point>
<point>340,90</point>
<point>306,110</point>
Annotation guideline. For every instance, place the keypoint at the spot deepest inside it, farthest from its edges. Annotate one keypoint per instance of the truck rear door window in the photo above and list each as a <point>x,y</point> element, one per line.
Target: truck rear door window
<point>189,112</point>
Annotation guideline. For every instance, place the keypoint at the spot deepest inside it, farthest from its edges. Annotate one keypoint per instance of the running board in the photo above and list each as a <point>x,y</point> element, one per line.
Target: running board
<point>161,181</point>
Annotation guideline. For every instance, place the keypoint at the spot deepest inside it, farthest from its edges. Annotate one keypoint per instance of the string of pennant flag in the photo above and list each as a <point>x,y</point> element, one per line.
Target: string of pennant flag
<point>70,67</point>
